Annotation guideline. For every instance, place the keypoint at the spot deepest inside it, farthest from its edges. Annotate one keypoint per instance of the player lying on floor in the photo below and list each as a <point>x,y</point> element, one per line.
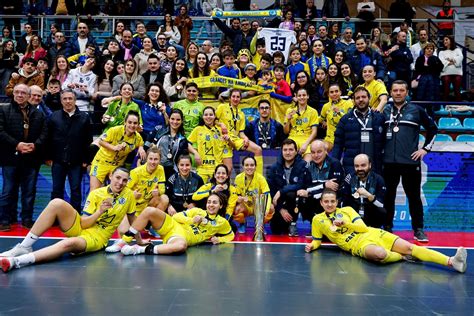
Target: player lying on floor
<point>345,228</point>
<point>104,210</point>
<point>184,229</point>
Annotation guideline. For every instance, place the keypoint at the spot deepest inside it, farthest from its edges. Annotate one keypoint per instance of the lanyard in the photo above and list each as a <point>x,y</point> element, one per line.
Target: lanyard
<point>363,124</point>
<point>235,117</point>
<point>264,131</point>
<point>185,188</point>
<point>171,143</point>
<point>395,118</point>
<point>26,121</point>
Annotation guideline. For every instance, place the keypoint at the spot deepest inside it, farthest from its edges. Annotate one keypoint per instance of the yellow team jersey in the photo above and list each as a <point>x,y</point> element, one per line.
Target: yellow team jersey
<point>107,223</point>
<point>216,225</point>
<point>376,89</point>
<point>332,113</point>
<point>145,182</point>
<point>257,186</point>
<point>302,123</point>
<point>116,135</point>
<point>233,119</point>
<point>204,191</point>
<point>210,146</point>
<point>347,236</point>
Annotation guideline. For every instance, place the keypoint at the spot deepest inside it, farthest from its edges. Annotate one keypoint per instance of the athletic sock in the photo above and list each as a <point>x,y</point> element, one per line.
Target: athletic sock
<point>132,230</point>
<point>150,250</point>
<point>392,257</point>
<point>24,260</point>
<point>29,240</point>
<point>425,254</point>
<point>259,160</point>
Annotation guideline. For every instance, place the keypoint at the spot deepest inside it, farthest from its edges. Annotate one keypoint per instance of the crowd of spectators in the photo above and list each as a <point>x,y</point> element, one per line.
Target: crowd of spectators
<point>136,88</point>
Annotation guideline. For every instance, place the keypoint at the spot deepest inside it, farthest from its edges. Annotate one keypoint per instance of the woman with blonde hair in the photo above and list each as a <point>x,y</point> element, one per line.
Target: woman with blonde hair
<point>130,75</point>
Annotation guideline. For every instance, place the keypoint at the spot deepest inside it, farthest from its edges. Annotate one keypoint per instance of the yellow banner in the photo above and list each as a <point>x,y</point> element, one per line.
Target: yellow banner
<point>250,107</point>
<point>226,82</point>
<point>242,14</point>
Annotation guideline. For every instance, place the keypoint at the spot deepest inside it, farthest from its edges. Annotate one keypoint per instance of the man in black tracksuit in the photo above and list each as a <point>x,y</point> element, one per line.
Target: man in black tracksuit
<point>402,158</point>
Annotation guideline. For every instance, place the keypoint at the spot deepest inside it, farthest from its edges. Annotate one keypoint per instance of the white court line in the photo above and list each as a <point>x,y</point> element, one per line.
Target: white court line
<point>247,242</point>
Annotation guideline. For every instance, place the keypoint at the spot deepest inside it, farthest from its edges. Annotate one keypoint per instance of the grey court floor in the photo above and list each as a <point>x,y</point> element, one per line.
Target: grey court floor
<point>234,279</point>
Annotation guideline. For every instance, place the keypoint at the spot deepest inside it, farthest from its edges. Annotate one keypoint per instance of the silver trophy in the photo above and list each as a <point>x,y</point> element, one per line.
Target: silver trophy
<point>260,206</point>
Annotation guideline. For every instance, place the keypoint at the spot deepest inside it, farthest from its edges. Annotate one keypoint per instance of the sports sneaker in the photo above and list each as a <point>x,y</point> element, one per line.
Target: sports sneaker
<point>7,263</point>
<point>116,246</point>
<point>16,251</point>
<point>459,261</point>
<point>420,235</point>
<point>129,250</point>
<point>293,230</point>
<point>242,228</point>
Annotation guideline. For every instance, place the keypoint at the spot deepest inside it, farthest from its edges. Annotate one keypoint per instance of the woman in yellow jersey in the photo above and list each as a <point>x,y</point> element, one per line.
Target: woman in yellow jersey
<point>234,120</point>
<point>201,69</point>
<point>377,89</point>
<point>301,123</point>
<point>115,145</point>
<point>220,182</point>
<point>184,229</point>
<point>250,185</point>
<point>211,142</point>
<point>332,113</point>
<point>148,185</point>
<point>345,228</point>
<point>103,212</point>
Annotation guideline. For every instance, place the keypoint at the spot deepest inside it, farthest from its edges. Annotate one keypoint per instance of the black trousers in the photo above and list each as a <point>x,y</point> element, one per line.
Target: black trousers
<point>411,182</point>
<point>277,223</point>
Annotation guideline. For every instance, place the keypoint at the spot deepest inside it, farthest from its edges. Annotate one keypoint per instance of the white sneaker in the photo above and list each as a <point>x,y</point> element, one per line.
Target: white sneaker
<point>459,261</point>
<point>16,251</point>
<point>7,263</point>
<point>116,246</point>
<point>128,250</point>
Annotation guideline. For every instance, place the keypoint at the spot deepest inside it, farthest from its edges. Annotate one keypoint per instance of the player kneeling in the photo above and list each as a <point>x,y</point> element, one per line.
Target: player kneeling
<point>184,229</point>
<point>104,210</point>
<point>345,228</point>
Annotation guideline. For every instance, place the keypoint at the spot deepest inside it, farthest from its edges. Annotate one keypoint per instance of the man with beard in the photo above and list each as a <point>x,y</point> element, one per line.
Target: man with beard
<point>360,131</point>
<point>285,178</point>
<point>365,191</point>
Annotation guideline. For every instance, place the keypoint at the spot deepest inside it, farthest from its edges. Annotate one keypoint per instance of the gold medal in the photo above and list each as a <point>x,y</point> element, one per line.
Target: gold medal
<point>296,210</point>
<point>204,221</point>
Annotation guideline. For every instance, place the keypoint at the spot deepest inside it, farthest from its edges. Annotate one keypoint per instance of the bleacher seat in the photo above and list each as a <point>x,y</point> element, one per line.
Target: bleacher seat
<point>465,138</point>
<point>450,124</point>
<point>442,111</point>
<point>469,124</point>
<point>443,138</point>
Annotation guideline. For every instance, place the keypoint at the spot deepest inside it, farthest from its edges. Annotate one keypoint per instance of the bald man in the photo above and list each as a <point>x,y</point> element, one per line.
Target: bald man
<point>325,172</point>
<point>22,137</point>
<point>36,100</point>
<point>365,191</point>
